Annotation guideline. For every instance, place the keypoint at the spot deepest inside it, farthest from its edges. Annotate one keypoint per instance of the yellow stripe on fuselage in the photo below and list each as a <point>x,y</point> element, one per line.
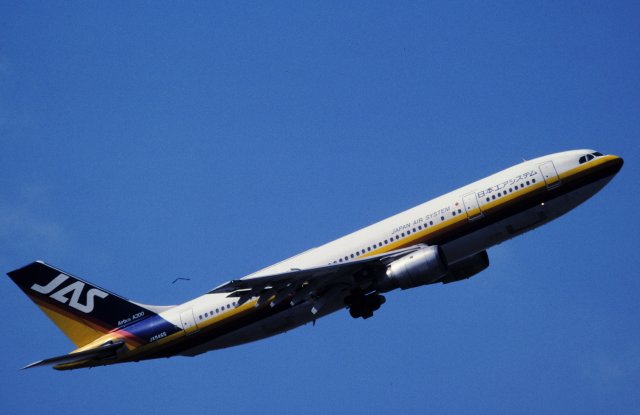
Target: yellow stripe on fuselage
<point>138,352</point>
<point>419,236</point>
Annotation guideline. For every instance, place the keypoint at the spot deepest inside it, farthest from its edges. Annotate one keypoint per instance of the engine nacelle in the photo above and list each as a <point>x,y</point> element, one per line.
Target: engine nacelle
<point>424,266</point>
<point>466,268</point>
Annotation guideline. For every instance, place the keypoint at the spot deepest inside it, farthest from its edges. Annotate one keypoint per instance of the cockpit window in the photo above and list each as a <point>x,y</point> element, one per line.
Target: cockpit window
<point>589,157</point>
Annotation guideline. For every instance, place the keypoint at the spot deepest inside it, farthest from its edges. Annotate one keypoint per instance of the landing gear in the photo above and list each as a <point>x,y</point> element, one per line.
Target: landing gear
<point>361,305</point>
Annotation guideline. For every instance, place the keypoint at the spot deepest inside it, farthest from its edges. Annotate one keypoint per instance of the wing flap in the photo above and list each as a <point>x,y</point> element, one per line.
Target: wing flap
<point>279,281</point>
<point>313,284</point>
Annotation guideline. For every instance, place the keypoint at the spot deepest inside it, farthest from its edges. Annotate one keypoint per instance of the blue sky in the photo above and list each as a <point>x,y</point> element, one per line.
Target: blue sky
<point>143,142</point>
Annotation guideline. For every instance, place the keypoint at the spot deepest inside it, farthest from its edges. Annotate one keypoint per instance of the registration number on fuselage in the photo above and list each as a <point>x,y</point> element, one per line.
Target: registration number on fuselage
<point>158,336</point>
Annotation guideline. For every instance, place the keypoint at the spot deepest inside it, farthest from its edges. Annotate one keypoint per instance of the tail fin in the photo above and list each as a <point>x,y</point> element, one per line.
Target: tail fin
<point>81,310</point>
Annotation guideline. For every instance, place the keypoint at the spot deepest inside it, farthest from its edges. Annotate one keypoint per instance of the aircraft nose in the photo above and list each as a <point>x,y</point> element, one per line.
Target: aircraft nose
<point>615,164</point>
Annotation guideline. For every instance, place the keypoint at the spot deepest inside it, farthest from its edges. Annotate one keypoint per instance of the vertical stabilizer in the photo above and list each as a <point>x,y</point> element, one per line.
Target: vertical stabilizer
<point>83,311</point>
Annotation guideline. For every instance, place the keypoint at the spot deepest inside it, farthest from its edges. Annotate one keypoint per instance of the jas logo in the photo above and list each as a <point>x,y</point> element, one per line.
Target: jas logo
<point>75,288</point>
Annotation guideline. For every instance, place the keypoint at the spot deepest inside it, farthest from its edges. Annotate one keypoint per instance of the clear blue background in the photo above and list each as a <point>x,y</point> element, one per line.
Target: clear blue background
<point>148,141</point>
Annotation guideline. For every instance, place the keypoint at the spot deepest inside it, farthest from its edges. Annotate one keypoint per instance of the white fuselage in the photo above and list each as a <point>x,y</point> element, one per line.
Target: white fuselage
<point>463,222</point>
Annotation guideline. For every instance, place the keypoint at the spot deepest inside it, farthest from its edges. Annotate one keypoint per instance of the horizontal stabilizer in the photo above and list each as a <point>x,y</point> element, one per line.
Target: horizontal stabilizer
<point>101,352</point>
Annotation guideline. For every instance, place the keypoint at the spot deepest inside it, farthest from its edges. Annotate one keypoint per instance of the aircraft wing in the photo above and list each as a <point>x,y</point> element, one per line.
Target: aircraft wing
<point>302,284</point>
<point>100,352</point>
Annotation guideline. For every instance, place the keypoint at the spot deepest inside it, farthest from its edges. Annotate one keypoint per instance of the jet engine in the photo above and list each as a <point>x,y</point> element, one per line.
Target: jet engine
<point>424,266</point>
<point>466,268</point>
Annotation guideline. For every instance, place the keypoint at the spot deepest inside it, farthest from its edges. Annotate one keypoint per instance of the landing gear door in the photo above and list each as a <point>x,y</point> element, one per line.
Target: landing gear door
<point>550,174</point>
<point>471,206</point>
<point>188,322</point>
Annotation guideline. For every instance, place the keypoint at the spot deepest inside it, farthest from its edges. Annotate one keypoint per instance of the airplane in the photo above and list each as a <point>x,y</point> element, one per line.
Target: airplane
<point>440,241</point>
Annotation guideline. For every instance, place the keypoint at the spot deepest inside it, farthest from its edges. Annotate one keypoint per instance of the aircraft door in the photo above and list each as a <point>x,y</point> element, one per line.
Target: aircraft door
<point>471,206</point>
<point>188,322</point>
<point>550,174</point>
